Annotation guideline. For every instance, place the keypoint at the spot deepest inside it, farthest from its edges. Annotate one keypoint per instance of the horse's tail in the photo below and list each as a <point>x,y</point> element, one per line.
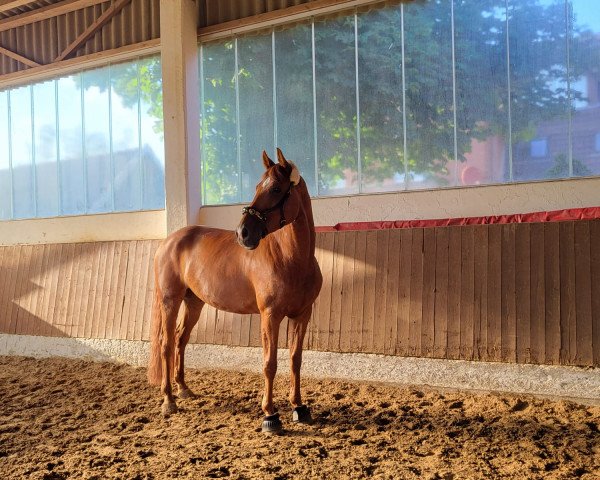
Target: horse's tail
<point>155,361</point>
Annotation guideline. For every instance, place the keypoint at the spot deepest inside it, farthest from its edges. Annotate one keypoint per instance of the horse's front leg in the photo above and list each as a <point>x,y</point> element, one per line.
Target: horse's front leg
<point>296,331</point>
<point>170,308</point>
<point>269,326</point>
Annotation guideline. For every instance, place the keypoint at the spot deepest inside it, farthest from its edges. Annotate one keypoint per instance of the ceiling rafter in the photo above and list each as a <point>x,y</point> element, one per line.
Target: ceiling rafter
<point>18,58</point>
<point>46,12</point>
<point>102,20</point>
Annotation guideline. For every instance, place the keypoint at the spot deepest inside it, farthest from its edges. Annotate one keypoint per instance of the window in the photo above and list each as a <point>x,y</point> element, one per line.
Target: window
<point>418,95</point>
<point>86,143</point>
<point>598,142</point>
<point>539,148</point>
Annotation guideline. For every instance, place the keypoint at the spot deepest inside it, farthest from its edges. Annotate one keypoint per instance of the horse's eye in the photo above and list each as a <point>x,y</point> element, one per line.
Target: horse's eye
<point>276,190</point>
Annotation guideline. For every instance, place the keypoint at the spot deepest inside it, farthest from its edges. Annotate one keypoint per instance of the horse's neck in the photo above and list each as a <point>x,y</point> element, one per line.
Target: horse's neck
<point>297,240</point>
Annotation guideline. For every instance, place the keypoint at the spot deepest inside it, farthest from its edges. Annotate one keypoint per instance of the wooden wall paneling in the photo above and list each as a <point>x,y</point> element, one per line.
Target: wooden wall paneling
<point>508,305</point>
<point>245,330</point>
<point>228,328</point>
<point>144,303</point>
<point>333,342</point>
<point>92,291</point>
<point>220,328</point>
<point>389,323</point>
<point>440,348</point>
<point>236,330</point>
<point>149,294</point>
<point>55,253</point>
<point>480,283</point>
<point>140,264</point>
<point>30,293</point>
<point>494,294</point>
<point>370,293</point>
<point>6,256</point>
<point>358,290</point>
<point>311,331</point>
<point>25,291</point>
<point>583,331</point>
<point>99,298</point>
<point>39,280</point>
<point>403,322</point>
<point>416,294</point>
<point>83,293</point>
<point>16,289</point>
<point>523,291</point>
<point>199,333</point>
<point>568,322</point>
<point>595,287</point>
<point>454,291</point>
<point>322,337</point>
<point>255,339</point>
<point>73,315</point>
<point>538,292</point>
<point>467,290</point>
<point>123,310</point>
<point>428,304</point>
<point>211,321</point>
<point>283,333</point>
<point>381,290</point>
<point>348,273</point>
<point>61,320</point>
<point>105,318</point>
<point>552,296</point>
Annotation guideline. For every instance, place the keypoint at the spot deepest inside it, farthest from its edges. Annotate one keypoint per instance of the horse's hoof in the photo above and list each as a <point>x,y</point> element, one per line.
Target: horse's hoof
<point>272,424</point>
<point>301,414</point>
<point>186,393</point>
<point>169,408</point>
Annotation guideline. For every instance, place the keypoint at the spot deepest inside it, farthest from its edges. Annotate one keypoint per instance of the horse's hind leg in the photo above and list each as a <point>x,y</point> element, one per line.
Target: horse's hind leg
<point>192,308</point>
<point>296,332</point>
<point>170,309</point>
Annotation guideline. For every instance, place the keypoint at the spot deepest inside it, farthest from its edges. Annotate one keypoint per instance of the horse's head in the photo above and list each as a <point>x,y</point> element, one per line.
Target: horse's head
<point>274,205</point>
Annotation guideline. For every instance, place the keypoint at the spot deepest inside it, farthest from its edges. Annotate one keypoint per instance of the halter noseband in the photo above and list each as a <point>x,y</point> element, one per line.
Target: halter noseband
<point>262,216</point>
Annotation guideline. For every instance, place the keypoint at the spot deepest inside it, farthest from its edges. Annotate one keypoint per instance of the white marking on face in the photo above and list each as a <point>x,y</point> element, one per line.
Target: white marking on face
<point>266,182</point>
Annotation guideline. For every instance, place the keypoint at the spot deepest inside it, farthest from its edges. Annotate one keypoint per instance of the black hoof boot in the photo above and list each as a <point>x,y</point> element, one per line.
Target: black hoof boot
<point>301,414</point>
<point>272,424</point>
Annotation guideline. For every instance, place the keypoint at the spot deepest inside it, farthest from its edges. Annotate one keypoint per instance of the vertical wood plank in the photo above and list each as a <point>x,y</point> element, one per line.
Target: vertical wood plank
<point>64,282</point>
<point>74,313</point>
<point>467,291</point>
<point>17,288</point>
<point>99,309</point>
<point>583,294</point>
<point>552,274</point>
<point>150,293</point>
<point>32,291</point>
<point>595,287</point>
<point>322,340</point>
<point>142,292</point>
<point>454,291</point>
<point>84,292</point>
<point>245,330</point>
<point>428,306</point>
<point>538,292</point>
<point>5,273</point>
<point>508,305</point>
<point>255,340</point>
<point>347,292</point>
<point>51,304</point>
<point>211,324</point>
<point>381,290</point>
<point>24,292</point>
<point>523,291</point>
<point>391,306</point>
<point>441,292</point>
<point>494,294</point>
<point>126,330</point>
<point>333,344</point>
<point>403,328</point>
<point>358,289</point>
<point>416,293</point>
<point>568,322</point>
<point>92,291</point>
<point>40,281</point>
<point>370,294</point>
<point>480,281</point>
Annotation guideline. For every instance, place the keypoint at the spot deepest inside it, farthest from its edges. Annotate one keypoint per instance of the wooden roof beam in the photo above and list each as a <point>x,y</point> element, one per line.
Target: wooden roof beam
<point>43,13</point>
<point>102,20</point>
<point>18,58</point>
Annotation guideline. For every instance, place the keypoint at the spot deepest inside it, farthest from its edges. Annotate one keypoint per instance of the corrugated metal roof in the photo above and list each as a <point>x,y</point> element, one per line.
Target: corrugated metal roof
<point>43,41</point>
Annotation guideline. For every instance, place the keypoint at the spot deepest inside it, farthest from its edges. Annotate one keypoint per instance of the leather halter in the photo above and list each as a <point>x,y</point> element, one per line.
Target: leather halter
<point>263,215</point>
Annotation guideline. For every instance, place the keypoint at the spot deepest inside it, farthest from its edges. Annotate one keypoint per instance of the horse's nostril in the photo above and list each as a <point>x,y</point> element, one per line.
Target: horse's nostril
<point>244,232</point>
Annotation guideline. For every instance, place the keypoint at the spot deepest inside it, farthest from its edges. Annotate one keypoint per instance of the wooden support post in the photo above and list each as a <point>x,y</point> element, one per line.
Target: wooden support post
<point>18,58</point>
<point>181,107</point>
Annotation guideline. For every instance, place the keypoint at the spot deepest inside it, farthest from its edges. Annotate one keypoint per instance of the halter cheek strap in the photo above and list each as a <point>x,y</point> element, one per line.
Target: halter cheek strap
<point>262,216</point>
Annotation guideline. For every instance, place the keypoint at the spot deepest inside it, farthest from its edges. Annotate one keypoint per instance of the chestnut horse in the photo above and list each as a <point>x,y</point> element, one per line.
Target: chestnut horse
<point>267,266</point>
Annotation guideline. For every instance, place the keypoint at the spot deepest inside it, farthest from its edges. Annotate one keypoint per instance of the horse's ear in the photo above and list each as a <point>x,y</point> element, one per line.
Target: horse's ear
<point>267,162</point>
<point>282,161</point>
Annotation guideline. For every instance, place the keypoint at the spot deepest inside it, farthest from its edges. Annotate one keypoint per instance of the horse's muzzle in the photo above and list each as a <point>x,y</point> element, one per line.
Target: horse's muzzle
<point>249,238</point>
